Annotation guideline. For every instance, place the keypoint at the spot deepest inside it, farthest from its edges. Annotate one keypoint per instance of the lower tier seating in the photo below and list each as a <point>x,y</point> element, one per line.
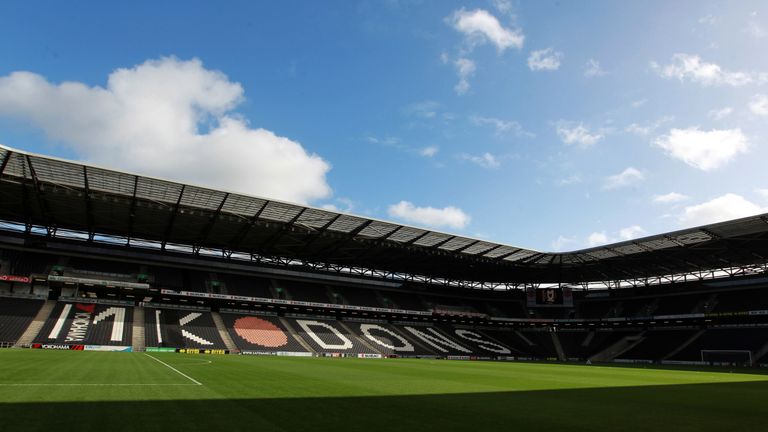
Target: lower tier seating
<point>15,317</point>
<point>657,344</point>
<point>260,334</point>
<point>328,336</point>
<point>88,324</point>
<point>724,339</point>
<point>181,329</point>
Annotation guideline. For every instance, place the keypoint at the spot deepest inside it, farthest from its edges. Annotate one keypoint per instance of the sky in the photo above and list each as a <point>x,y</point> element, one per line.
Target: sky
<point>549,125</point>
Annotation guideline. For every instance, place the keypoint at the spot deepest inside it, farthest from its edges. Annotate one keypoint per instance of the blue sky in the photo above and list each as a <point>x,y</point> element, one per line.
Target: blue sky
<point>549,125</point>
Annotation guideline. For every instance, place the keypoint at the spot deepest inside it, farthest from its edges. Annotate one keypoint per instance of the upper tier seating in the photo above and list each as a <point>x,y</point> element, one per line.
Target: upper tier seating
<point>245,286</point>
<point>88,324</point>
<point>304,291</point>
<point>260,333</point>
<point>358,296</point>
<point>181,329</point>
<point>15,317</point>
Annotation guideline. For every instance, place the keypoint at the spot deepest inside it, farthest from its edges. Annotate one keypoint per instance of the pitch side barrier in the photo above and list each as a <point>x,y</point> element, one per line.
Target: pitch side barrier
<point>290,302</point>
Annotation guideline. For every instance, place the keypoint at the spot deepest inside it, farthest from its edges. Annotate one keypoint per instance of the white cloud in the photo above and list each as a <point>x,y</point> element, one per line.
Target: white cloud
<point>592,69</point>
<point>763,193</point>
<point>759,105</point>
<point>638,103</point>
<point>689,67</point>
<point>485,160</point>
<point>577,134</point>
<point>597,239</point>
<point>708,20</point>
<point>502,126</point>
<point>670,198</point>
<point>503,6</point>
<point>723,208</point>
<point>429,151</point>
<point>628,177</point>
<point>451,217</point>
<point>574,179</point>
<point>631,232</point>
<point>425,109</point>
<point>465,68</point>
<point>169,118</point>
<point>705,150</point>
<point>648,128</point>
<point>561,242</point>
<point>719,114</point>
<point>480,26</point>
<point>546,59</point>
<point>346,205</point>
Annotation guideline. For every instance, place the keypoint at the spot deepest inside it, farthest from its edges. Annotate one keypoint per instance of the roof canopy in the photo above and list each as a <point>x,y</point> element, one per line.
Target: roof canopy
<point>58,194</point>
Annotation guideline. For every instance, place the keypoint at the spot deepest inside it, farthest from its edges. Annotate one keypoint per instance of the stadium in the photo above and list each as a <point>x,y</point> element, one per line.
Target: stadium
<point>384,215</point>
<point>203,309</point>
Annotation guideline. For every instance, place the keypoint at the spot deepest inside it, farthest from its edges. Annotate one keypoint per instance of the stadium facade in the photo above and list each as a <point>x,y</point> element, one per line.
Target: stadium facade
<point>98,259</point>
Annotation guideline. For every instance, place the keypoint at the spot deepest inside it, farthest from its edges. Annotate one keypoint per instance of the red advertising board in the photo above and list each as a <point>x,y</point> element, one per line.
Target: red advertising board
<point>10,278</point>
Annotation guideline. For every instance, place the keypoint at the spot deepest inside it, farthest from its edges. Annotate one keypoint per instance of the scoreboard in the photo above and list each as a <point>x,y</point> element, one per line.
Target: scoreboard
<point>549,297</point>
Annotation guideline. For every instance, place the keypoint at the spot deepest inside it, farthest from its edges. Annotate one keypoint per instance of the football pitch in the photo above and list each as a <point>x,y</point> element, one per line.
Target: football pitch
<point>68,390</point>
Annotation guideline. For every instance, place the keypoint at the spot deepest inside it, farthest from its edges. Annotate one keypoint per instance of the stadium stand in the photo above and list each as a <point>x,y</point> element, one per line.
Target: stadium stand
<point>746,339</point>
<point>260,333</point>
<point>358,296</point>
<point>436,339</point>
<point>88,324</point>
<point>304,291</point>
<point>328,336</point>
<point>15,316</point>
<point>181,329</point>
<point>657,344</point>
<point>389,340</point>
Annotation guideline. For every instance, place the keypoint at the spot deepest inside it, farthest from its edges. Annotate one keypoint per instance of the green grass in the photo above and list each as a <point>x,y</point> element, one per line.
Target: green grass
<point>61,390</point>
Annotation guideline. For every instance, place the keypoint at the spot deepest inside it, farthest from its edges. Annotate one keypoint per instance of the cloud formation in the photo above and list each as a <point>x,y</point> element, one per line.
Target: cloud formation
<point>170,118</point>
<point>502,126</point>
<point>577,134</point>
<point>480,26</point>
<point>451,217</point>
<point>759,105</point>
<point>705,150</point>
<point>670,198</point>
<point>723,208</point>
<point>465,68</point>
<point>592,69</point>
<point>545,59</point>
<point>689,67</point>
<point>628,177</point>
<point>485,160</point>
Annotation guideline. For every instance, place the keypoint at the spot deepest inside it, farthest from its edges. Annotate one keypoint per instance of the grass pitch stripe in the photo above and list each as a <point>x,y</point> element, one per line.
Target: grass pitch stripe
<point>175,370</point>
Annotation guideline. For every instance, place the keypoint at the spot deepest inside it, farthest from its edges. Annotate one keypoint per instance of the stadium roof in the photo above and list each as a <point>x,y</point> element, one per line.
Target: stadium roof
<point>57,194</point>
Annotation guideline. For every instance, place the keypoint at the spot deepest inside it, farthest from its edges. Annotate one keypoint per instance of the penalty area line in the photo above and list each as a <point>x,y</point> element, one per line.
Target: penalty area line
<point>174,369</point>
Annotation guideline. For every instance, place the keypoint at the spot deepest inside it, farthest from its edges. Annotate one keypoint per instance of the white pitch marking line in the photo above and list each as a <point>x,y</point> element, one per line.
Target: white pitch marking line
<point>175,370</point>
<point>87,384</point>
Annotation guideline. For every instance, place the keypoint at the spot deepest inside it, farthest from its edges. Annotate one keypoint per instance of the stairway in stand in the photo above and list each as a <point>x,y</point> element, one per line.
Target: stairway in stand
<point>32,331</point>
<point>138,341</point>
<point>224,333</point>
